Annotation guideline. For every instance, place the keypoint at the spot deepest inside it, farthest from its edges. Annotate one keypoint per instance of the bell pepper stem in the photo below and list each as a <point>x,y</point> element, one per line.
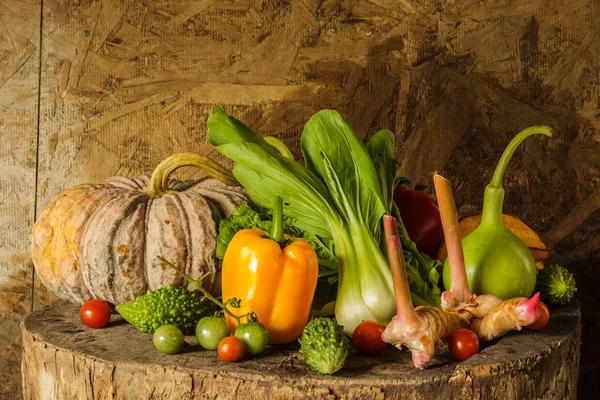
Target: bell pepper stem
<point>276,233</point>
<point>198,284</point>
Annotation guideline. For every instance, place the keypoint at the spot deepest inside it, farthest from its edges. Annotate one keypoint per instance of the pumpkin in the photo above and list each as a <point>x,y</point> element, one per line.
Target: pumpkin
<point>102,240</point>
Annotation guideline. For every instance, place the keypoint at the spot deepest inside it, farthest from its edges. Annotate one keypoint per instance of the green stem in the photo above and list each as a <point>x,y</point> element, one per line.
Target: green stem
<point>198,284</point>
<point>493,197</point>
<point>512,146</point>
<point>329,264</point>
<point>493,200</point>
<point>276,233</point>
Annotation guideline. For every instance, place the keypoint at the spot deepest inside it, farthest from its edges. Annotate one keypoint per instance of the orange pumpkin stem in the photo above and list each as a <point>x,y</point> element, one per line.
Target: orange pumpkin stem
<point>160,177</point>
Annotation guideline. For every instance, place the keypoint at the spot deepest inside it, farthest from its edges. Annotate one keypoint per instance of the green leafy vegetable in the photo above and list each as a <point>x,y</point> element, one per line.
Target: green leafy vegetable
<point>381,150</point>
<point>266,173</point>
<point>245,218</point>
<point>324,345</point>
<point>166,306</point>
<point>423,276</point>
<point>336,154</point>
<point>339,195</point>
<point>555,284</point>
<point>422,270</point>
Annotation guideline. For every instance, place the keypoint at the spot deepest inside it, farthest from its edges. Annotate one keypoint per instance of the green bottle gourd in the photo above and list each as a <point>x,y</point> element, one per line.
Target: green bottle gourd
<point>497,261</point>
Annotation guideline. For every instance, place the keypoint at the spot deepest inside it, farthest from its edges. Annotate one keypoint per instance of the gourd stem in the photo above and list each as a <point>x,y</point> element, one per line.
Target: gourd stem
<point>512,146</point>
<point>493,200</point>
<point>276,233</point>
<point>493,197</point>
<point>159,180</point>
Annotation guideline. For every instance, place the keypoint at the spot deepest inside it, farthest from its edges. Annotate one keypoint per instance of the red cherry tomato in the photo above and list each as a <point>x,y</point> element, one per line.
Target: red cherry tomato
<point>367,338</point>
<point>231,349</point>
<point>95,313</point>
<point>463,344</point>
<point>542,321</point>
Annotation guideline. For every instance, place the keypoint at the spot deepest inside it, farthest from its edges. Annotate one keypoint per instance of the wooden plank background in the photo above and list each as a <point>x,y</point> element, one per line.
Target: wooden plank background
<point>94,88</point>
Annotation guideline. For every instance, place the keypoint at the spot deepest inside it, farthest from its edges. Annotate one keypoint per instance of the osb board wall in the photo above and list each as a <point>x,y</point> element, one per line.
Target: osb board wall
<point>121,84</point>
<point>19,76</point>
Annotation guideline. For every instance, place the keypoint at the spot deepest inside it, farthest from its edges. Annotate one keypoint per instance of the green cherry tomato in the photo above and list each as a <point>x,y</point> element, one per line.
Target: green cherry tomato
<point>210,331</point>
<point>255,337</point>
<point>168,339</point>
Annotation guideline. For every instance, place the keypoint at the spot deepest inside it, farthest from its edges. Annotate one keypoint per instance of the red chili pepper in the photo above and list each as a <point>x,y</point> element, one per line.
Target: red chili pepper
<point>421,217</point>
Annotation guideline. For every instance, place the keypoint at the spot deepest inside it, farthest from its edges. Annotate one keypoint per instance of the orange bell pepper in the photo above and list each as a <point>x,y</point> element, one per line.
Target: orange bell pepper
<point>275,277</point>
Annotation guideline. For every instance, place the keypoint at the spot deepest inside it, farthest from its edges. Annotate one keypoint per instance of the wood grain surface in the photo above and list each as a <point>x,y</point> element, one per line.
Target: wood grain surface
<point>125,83</point>
<point>65,360</point>
<point>19,76</point>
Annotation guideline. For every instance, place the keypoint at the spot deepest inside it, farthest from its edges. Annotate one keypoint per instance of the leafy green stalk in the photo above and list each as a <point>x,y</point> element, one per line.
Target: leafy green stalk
<point>365,290</point>
<point>266,173</point>
<point>276,231</point>
<point>381,150</point>
<point>421,269</point>
<point>335,153</point>
<point>338,196</point>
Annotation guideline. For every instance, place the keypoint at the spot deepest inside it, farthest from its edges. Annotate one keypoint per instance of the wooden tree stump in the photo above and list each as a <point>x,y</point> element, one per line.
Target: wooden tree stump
<point>62,359</point>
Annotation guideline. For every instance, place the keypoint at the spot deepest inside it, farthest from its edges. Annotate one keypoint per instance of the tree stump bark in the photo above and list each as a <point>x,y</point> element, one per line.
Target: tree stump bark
<point>62,359</point>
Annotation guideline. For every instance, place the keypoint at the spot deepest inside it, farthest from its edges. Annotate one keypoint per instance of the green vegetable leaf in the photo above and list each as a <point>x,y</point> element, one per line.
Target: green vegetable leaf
<point>381,149</point>
<point>266,173</point>
<point>280,146</point>
<point>337,196</point>
<point>226,129</point>
<point>421,270</point>
<point>245,218</point>
<point>242,218</point>
<point>423,276</point>
<point>327,136</point>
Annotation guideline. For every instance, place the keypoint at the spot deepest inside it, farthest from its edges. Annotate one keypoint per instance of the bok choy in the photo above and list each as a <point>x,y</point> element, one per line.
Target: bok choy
<point>341,195</point>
